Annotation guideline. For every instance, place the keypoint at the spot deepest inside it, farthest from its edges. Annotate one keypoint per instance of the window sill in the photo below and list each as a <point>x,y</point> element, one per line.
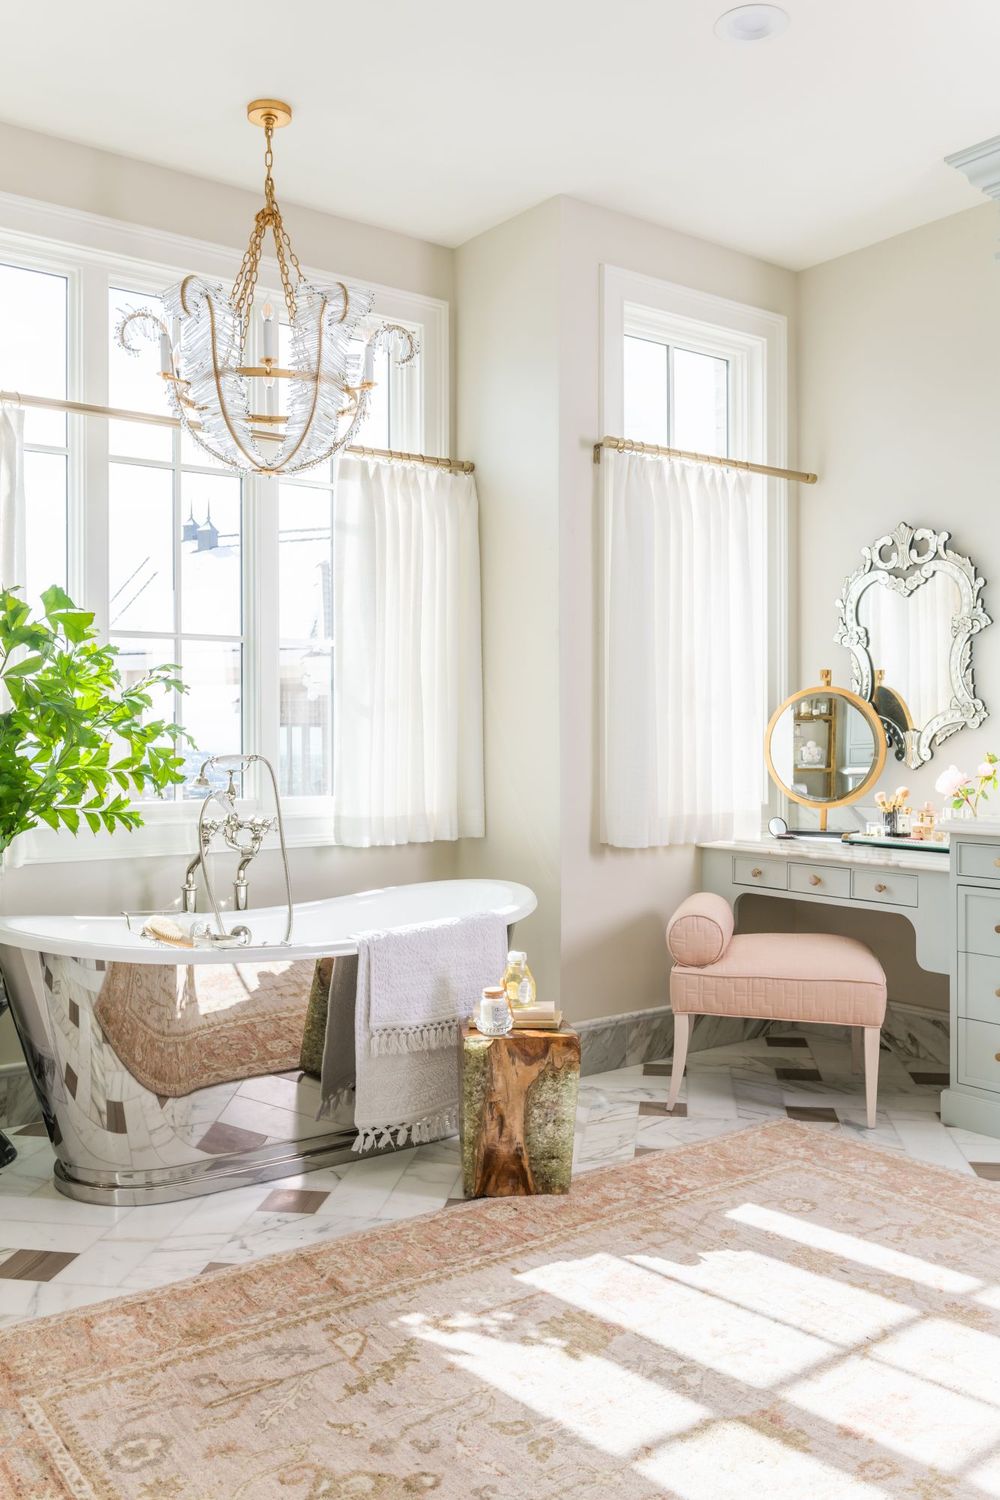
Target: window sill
<point>172,832</point>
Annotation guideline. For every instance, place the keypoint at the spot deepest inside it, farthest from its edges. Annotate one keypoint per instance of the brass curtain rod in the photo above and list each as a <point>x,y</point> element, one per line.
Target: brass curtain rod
<point>631,445</point>
<point>122,414</point>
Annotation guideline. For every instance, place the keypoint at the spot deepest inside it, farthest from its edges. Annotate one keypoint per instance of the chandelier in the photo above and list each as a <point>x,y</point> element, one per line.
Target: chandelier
<point>243,403</point>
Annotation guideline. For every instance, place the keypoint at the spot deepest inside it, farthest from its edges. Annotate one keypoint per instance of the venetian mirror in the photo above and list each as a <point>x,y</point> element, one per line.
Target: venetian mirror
<point>825,747</point>
<point>908,616</point>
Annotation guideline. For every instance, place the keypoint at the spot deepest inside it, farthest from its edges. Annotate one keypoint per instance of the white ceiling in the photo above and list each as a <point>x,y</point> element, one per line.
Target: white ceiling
<point>443,117</point>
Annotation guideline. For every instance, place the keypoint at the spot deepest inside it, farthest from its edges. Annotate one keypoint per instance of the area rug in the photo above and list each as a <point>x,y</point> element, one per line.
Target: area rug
<point>777,1313</point>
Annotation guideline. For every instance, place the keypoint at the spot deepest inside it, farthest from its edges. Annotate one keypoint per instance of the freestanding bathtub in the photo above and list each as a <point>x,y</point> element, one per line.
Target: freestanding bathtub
<point>164,1073</point>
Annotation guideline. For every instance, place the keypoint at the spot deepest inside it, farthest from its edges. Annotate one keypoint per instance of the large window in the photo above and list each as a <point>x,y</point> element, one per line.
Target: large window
<point>180,558</point>
<point>698,373</point>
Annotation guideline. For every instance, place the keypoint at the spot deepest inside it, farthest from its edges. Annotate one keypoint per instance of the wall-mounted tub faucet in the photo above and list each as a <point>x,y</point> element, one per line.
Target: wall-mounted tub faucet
<point>243,835</point>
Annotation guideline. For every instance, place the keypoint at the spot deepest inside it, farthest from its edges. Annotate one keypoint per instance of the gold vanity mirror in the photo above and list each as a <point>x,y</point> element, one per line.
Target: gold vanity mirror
<point>825,747</point>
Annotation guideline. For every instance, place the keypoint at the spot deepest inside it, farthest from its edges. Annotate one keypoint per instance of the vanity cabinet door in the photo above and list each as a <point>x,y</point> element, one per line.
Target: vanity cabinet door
<point>763,872</point>
<point>886,886</point>
<point>979,987</point>
<point>978,921</point>
<point>819,880</point>
<point>979,1054</point>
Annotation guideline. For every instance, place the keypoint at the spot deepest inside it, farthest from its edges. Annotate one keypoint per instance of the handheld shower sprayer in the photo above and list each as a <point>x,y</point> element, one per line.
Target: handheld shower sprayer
<point>226,800</point>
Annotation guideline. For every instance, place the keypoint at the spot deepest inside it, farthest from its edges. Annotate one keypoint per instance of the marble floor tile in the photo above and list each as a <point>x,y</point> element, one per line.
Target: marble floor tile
<point>710,1092</point>
<point>928,1140</point>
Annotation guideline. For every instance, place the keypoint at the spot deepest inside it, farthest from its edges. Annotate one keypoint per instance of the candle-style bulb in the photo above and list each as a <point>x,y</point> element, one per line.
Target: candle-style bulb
<point>269,334</point>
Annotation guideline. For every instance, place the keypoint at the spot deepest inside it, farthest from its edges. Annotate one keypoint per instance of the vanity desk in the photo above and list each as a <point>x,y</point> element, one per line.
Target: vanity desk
<point>913,885</point>
<point>952,901</point>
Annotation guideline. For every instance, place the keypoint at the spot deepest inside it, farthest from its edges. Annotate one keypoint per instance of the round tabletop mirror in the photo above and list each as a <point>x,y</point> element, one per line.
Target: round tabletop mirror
<point>825,747</point>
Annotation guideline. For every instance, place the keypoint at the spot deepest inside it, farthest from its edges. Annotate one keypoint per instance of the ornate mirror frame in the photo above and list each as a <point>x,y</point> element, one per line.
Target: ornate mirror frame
<point>903,560</point>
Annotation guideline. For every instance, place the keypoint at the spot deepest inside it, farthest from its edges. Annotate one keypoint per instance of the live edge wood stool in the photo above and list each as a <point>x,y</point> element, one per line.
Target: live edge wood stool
<point>518,1112</point>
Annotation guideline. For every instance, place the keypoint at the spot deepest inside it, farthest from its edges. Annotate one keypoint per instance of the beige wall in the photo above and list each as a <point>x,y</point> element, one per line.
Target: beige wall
<point>507,379</point>
<point>528,343</point>
<point>615,901</point>
<point>899,394</point>
<point>78,177</point>
<point>99,182</point>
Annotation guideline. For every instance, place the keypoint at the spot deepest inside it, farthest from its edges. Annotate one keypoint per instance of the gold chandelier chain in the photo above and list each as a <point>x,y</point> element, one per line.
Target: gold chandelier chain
<point>269,217</point>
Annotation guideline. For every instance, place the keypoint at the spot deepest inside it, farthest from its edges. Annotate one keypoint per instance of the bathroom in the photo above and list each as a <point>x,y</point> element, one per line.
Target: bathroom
<point>786,259</point>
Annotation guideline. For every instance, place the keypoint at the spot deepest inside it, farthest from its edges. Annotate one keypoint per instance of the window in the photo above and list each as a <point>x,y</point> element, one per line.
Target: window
<point>180,558</point>
<point>34,318</point>
<point>675,397</point>
<point>684,369</point>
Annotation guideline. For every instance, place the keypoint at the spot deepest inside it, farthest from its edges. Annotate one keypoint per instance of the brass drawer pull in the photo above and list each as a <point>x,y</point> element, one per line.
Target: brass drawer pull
<point>757,873</point>
<point>997,927</point>
<point>996,1057</point>
<point>997,863</point>
<point>815,880</point>
<point>880,887</point>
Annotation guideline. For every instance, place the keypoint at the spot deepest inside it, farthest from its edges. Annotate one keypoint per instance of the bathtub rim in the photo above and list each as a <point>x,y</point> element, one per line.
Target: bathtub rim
<point>24,932</point>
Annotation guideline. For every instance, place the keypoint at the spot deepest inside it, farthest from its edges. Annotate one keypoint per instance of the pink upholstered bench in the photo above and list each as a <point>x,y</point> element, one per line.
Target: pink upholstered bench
<point>770,976</point>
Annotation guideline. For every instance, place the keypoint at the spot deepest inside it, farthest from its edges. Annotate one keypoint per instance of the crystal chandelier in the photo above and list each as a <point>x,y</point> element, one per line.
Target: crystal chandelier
<point>263,414</point>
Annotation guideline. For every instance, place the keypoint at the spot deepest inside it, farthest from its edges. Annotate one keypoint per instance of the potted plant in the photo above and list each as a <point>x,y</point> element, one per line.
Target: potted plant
<point>75,743</point>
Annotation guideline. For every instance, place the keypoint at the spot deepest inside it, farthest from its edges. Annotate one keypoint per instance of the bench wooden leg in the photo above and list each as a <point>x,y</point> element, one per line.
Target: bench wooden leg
<point>873,1035</point>
<point>682,1034</point>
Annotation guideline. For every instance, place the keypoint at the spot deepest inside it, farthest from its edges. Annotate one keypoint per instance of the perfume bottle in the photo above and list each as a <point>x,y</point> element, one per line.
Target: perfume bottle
<point>518,980</point>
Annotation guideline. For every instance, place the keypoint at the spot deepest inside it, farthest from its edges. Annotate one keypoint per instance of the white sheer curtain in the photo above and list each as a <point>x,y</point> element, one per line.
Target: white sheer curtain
<point>12,557</point>
<point>682,692</point>
<point>407,674</point>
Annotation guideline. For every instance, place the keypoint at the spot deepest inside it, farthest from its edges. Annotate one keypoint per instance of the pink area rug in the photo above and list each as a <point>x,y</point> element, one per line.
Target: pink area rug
<point>776,1313</point>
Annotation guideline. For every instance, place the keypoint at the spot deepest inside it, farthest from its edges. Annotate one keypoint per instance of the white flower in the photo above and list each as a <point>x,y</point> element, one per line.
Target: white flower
<point>950,782</point>
<point>986,768</point>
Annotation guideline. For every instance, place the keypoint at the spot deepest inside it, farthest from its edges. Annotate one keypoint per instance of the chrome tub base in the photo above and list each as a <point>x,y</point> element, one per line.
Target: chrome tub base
<point>119,1142</point>
<point>216,1175</point>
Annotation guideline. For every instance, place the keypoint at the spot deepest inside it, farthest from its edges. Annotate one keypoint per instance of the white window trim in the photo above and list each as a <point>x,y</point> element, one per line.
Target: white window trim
<point>51,237</point>
<point>756,343</point>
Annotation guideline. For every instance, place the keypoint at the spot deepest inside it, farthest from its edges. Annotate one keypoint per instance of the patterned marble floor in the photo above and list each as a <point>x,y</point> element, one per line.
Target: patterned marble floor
<point>56,1254</point>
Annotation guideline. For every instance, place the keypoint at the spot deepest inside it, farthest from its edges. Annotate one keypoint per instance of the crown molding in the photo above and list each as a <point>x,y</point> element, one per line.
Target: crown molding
<point>981,165</point>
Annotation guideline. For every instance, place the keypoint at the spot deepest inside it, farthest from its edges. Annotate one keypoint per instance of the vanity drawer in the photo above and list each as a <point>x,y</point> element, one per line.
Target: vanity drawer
<point>762,872</point>
<point>885,885</point>
<point>978,996</point>
<point>978,861</point>
<point>819,880</point>
<point>978,921</point>
<point>978,1054</point>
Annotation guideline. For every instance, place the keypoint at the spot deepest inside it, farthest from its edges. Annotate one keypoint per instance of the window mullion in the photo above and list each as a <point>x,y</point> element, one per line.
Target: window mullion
<point>263,656</point>
<point>88,527</point>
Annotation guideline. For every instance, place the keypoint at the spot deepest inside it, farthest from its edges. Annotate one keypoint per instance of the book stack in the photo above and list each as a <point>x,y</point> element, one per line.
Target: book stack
<point>542,1016</point>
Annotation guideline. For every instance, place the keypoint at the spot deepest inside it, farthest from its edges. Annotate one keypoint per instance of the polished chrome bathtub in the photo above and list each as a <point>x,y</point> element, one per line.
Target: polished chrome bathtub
<point>199,1089</point>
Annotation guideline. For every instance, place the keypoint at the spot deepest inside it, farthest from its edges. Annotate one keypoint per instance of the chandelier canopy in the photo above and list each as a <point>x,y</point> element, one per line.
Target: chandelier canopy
<point>240,401</point>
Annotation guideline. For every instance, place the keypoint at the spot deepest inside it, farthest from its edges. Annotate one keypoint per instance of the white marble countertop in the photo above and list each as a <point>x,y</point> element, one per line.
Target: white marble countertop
<point>833,851</point>
<point>983,828</point>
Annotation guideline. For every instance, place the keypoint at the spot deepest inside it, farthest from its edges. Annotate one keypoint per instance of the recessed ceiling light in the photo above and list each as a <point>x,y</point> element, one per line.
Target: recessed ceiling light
<point>752,23</point>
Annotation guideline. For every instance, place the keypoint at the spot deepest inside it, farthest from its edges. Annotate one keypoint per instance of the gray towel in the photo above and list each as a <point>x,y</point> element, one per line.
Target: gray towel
<point>396,1038</point>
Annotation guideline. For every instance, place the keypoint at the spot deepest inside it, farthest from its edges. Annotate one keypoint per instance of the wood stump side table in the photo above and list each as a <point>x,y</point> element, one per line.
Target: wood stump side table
<point>518,1112</point>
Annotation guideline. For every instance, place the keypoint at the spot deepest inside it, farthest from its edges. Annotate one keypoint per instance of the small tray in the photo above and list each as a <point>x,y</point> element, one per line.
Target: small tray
<point>880,841</point>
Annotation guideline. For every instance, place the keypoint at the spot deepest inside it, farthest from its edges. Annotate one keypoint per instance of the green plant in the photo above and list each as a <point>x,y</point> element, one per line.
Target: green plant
<point>69,714</point>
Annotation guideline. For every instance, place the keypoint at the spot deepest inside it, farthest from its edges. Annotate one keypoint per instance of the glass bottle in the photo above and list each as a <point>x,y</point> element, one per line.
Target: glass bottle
<point>518,981</point>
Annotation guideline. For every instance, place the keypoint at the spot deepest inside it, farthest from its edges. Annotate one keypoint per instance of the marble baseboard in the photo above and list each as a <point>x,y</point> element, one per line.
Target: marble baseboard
<point>648,1036</point>
<point>18,1101</point>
